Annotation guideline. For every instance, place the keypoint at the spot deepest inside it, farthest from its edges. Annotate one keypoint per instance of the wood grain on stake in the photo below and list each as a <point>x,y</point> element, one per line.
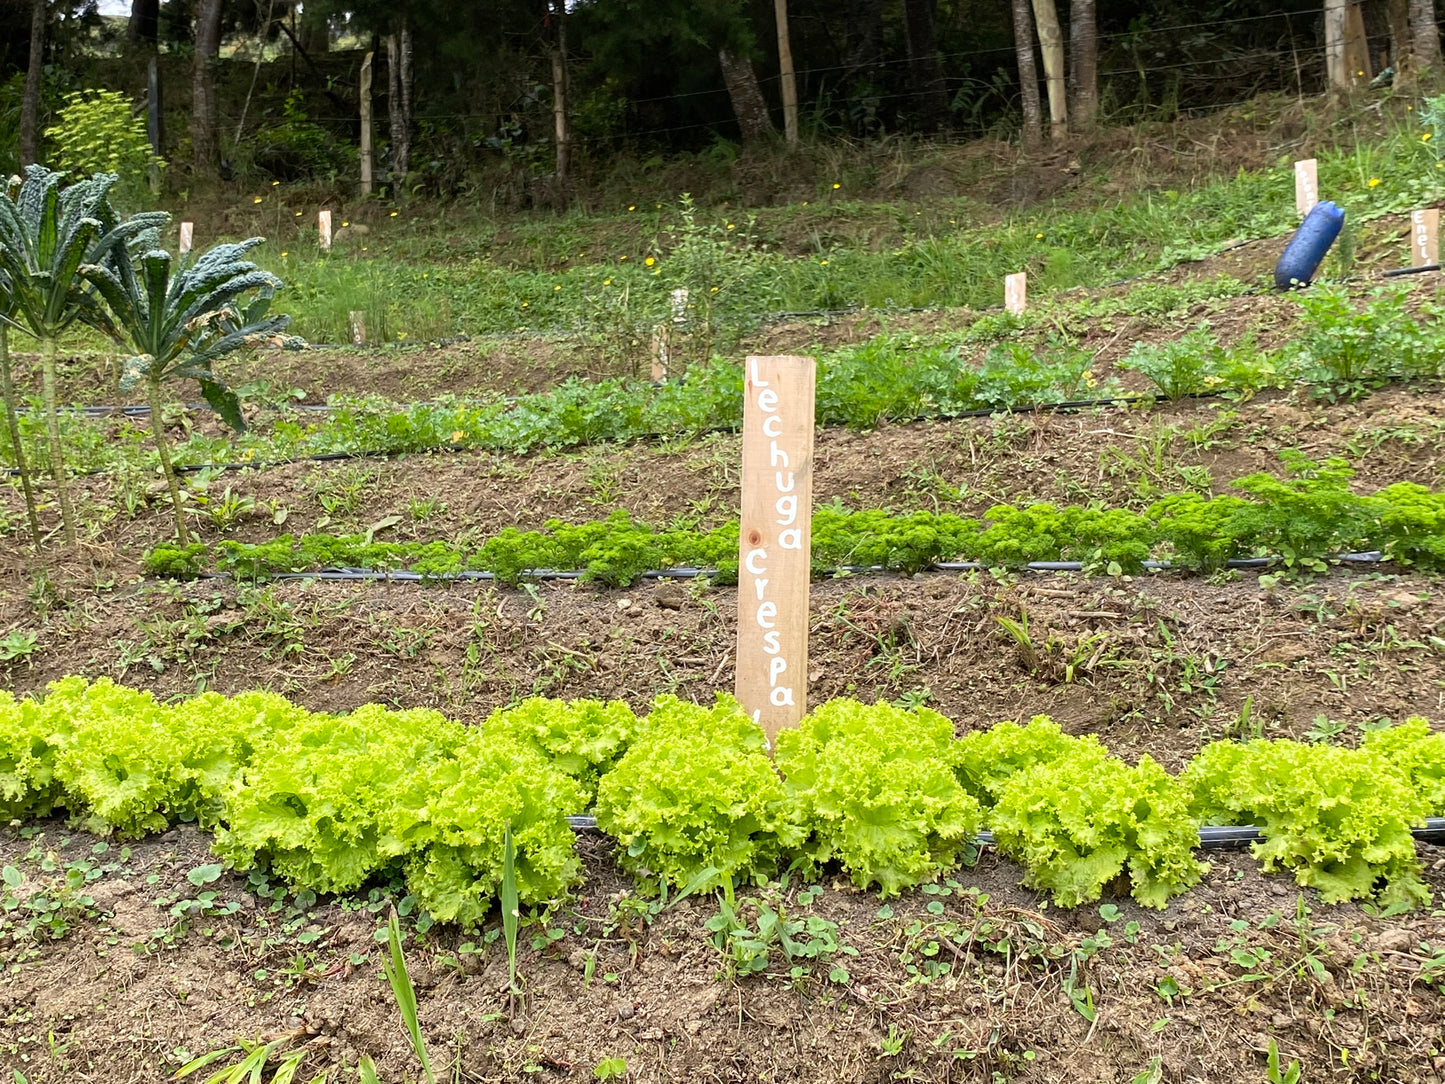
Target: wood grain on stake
<point>1016,293</point>
<point>775,541</point>
<point>1306,186</point>
<point>1425,237</point>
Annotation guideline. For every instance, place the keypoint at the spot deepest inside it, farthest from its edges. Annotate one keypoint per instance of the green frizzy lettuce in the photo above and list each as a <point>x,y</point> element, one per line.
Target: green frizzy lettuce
<point>1339,819</point>
<point>876,788</point>
<point>697,792</point>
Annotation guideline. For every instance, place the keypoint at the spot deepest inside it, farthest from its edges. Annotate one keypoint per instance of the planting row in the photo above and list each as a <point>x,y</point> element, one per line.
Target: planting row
<point>1342,347</point>
<point>689,793</point>
<point>1305,519</point>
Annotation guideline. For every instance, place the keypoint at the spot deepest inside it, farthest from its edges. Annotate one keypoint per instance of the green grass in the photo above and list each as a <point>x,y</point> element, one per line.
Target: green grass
<point>417,277</point>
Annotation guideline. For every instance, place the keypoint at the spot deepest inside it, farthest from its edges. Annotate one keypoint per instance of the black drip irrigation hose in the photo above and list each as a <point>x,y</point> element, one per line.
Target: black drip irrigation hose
<point>1211,837</point>
<point>372,575</point>
<point>1412,270</point>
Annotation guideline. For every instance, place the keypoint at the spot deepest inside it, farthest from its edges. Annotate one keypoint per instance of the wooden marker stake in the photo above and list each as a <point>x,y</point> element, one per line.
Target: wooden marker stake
<point>323,228</point>
<point>1424,237</point>
<point>1016,293</point>
<point>188,234</point>
<point>358,328</point>
<point>1306,186</point>
<point>775,541</point>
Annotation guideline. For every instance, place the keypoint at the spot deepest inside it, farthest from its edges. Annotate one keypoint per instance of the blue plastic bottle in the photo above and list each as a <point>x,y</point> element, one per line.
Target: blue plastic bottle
<point>1307,248</point>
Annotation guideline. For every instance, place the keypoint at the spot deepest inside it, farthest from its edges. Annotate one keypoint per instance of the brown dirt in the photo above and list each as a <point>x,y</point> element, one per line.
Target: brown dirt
<point>142,980</point>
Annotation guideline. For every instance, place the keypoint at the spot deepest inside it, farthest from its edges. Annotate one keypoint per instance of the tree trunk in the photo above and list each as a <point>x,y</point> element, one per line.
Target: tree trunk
<point>1051,44</point>
<point>1425,34</point>
<point>145,17</point>
<point>30,103</point>
<point>315,31</point>
<point>205,148</point>
<point>747,98</point>
<point>561,116</point>
<point>923,65</point>
<point>1033,130</point>
<point>1083,63</point>
<point>1402,46</point>
<point>365,95</point>
<point>12,424</point>
<point>398,74</point>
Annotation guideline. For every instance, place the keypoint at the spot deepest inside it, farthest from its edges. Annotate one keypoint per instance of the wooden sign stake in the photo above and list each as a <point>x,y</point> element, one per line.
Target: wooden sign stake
<point>358,328</point>
<point>1425,237</point>
<point>323,227</point>
<point>1306,186</point>
<point>1016,293</point>
<point>188,234</point>
<point>775,541</point>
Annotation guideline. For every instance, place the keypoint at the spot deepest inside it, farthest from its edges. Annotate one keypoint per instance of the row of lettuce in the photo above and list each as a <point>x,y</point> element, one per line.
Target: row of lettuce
<point>1340,346</point>
<point>1306,519</point>
<point>889,797</point>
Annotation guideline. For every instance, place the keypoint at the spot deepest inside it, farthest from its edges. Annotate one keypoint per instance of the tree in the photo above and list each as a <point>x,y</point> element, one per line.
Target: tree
<point>398,101</point>
<point>1083,63</point>
<point>145,22</point>
<point>1033,130</point>
<point>30,103</point>
<point>746,96</point>
<point>205,146</point>
<point>929,85</point>
<point>178,324</point>
<point>1425,35</point>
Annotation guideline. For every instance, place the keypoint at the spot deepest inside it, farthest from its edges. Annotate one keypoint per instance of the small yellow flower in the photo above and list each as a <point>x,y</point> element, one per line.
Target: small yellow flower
<point>731,226</point>
<point>1374,182</point>
<point>1425,138</point>
<point>363,248</point>
<point>525,304</point>
<point>401,334</point>
<point>1038,237</point>
<point>714,289</point>
<point>606,282</point>
<point>395,213</point>
<point>285,254</point>
<point>256,200</point>
<point>346,223</point>
<point>805,203</point>
<point>622,258</point>
<point>659,206</point>
<point>632,206</point>
<point>823,262</point>
<point>275,183</point>
<point>556,288</point>
<point>298,214</point>
<point>426,274</point>
<point>458,437</point>
<point>649,261</point>
<point>836,186</point>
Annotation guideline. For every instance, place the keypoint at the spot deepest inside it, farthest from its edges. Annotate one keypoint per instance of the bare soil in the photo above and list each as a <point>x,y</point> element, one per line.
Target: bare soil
<point>967,981</point>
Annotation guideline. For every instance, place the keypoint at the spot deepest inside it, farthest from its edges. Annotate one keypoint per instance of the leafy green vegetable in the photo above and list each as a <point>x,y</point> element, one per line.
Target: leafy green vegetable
<point>986,760</point>
<point>584,738</point>
<point>696,791</point>
<point>1078,822</point>
<point>1339,819</point>
<point>876,787</point>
